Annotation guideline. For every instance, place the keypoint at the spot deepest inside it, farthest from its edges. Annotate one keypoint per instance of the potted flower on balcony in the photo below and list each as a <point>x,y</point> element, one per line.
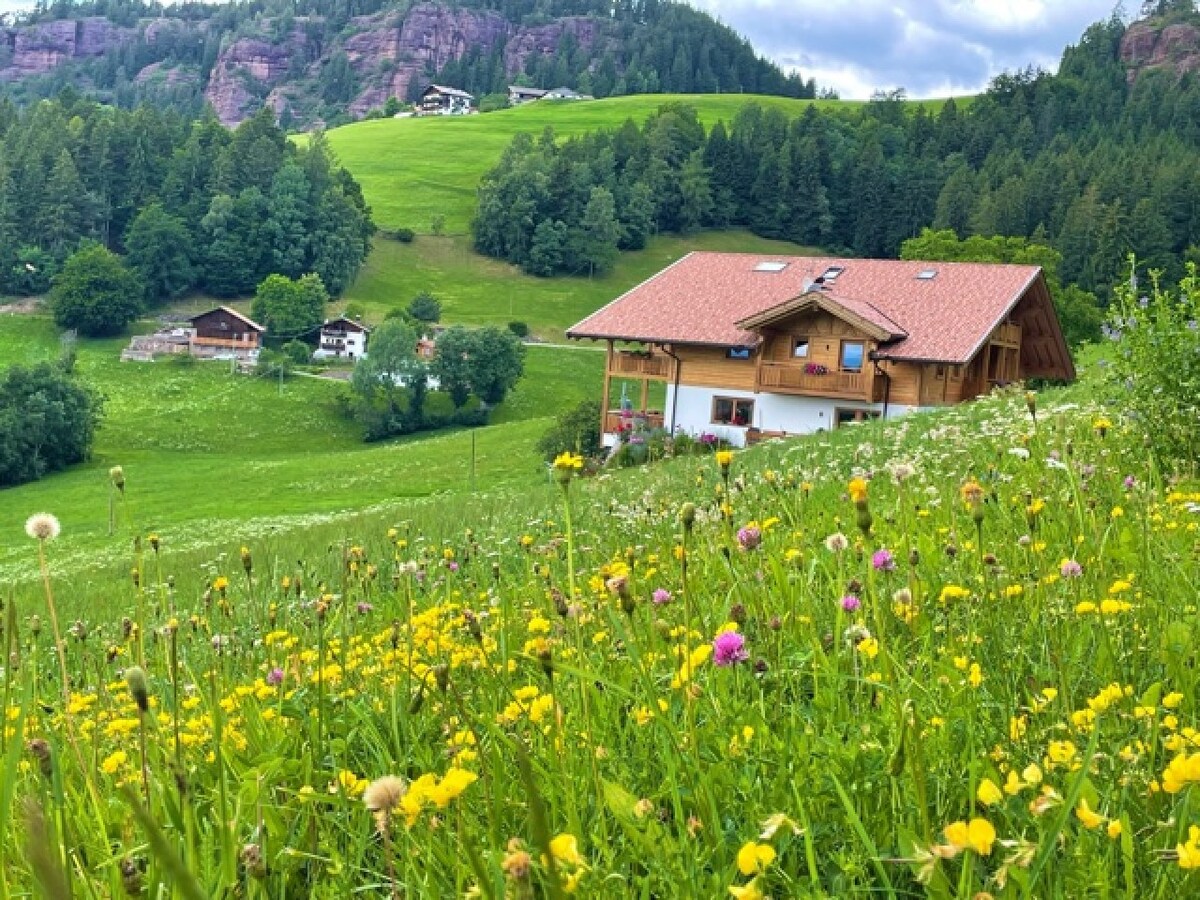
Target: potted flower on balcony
<point>815,369</point>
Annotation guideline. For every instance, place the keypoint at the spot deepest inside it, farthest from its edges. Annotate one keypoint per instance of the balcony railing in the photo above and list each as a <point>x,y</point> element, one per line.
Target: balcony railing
<point>1008,334</point>
<point>616,420</point>
<point>641,364</point>
<point>793,379</point>
<point>238,343</point>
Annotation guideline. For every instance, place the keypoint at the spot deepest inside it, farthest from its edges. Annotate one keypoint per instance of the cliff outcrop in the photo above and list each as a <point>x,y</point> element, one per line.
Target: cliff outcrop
<point>1154,46</point>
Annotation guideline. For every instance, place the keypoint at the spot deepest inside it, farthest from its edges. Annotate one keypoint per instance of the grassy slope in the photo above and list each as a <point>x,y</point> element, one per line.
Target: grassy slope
<point>412,169</point>
<point>208,454</point>
<point>478,290</point>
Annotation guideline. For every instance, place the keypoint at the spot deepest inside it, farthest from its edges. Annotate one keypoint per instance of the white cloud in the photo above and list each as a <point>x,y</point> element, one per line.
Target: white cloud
<point>929,47</point>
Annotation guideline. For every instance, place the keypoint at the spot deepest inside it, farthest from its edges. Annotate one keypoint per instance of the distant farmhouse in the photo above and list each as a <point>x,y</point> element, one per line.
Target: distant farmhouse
<point>518,94</point>
<point>342,338</point>
<point>565,93</point>
<point>224,333</point>
<point>220,333</point>
<point>439,100</point>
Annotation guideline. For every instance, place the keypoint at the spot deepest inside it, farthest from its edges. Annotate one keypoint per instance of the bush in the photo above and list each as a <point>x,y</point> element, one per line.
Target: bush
<point>576,431</point>
<point>520,329</point>
<point>298,352</point>
<point>273,364</point>
<point>403,235</point>
<point>95,293</point>
<point>47,421</point>
<point>1155,374</point>
<point>425,308</point>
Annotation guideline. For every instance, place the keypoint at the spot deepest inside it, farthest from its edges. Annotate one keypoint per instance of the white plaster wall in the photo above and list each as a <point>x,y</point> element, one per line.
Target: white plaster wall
<point>772,412</point>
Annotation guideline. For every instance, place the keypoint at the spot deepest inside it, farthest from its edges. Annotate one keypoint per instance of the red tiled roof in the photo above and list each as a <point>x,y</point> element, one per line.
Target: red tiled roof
<point>701,298</point>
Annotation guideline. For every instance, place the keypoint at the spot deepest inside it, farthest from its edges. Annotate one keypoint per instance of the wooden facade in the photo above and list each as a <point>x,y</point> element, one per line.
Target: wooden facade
<point>804,357</point>
<point>225,327</point>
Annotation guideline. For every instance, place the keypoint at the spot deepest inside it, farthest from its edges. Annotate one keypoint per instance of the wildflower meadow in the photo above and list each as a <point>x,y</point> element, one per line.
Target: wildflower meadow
<point>952,656</point>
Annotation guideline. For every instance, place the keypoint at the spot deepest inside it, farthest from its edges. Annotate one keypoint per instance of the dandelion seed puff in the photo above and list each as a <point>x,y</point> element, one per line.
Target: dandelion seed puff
<point>384,794</point>
<point>42,527</point>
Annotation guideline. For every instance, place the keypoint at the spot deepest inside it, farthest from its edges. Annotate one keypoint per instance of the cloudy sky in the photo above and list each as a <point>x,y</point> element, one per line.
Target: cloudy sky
<point>932,48</point>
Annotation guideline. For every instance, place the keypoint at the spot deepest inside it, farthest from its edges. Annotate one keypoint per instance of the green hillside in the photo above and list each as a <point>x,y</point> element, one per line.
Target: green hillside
<point>476,290</point>
<point>207,452</point>
<point>413,169</point>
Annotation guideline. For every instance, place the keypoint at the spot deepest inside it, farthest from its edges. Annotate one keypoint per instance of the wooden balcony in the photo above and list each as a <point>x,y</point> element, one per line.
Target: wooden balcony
<point>641,365</point>
<point>1007,335</point>
<point>616,420</point>
<point>227,343</point>
<point>789,378</point>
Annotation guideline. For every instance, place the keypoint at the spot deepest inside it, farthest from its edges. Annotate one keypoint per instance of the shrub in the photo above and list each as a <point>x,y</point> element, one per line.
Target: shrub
<point>520,329</point>
<point>425,308</point>
<point>273,364</point>
<point>95,293</point>
<point>404,235</point>
<point>1155,373</point>
<point>298,352</point>
<point>576,430</point>
<point>47,421</point>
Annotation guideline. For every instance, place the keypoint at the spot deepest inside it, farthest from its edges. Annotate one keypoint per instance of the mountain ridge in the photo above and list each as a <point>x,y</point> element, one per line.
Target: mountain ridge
<point>324,67</point>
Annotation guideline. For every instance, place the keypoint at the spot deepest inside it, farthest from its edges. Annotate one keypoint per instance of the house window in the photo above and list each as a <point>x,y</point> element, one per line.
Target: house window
<point>939,372</point>
<point>854,416</point>
<point>852,356</point>
<point>737,353</point>
<point>732,411</point>
<point>800,348</point>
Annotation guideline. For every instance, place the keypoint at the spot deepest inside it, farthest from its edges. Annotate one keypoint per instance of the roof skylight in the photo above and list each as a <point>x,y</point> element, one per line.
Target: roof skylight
<point>770,266</point>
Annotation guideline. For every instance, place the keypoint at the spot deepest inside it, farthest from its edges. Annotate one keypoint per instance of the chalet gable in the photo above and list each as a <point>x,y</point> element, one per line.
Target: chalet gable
<point>860,316</point>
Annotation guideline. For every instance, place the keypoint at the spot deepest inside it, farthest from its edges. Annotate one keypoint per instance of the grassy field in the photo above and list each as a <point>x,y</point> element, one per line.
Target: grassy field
<point>477,290</point>
<point>951,656</point>
<point>206,452</point>
<point>412,169</point>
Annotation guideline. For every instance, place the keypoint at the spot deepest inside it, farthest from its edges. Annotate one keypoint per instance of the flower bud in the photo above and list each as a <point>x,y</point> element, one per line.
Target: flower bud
<point>135,680</point>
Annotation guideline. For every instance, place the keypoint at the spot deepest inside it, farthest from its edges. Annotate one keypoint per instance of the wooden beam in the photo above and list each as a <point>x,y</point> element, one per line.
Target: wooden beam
<point>607,383</point>
<point>645,393</point>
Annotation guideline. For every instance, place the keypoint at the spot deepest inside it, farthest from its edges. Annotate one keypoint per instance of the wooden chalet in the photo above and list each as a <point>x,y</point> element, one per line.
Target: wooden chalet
<point>342,338</point>
<point>749,345</point>
<point>518,94</point>
<point>225,332</point>
<point>439,100</point>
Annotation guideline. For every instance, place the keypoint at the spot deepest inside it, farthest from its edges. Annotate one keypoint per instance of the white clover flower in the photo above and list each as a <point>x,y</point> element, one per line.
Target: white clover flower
<point>42,527</point>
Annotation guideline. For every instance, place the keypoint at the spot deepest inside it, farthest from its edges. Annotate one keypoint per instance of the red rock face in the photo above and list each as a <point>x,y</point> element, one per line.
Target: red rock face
<point>1146,46</point>
<point>390,53</point>
<point>38,49</point>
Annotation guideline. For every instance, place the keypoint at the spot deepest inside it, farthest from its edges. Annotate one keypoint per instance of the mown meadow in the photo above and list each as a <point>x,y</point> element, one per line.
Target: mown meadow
<point>952,656</point>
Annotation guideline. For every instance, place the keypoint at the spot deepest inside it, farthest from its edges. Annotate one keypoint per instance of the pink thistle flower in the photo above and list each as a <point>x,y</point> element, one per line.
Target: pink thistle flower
<point>883,561</point>
<point>661,597</point>
<point>1071,569</point>
<point>850,603</point>
<point>749,537</point>
<point>729,648</point>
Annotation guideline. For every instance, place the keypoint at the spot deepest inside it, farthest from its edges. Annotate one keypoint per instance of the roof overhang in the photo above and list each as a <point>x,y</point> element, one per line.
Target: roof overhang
<point>818,300</point>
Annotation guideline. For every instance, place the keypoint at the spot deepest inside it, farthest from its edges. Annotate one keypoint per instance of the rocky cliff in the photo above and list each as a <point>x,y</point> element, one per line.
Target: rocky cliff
<point>389,52</point>
<point>237,59</point>
<point>1151,45</point>
<point>38,49</point>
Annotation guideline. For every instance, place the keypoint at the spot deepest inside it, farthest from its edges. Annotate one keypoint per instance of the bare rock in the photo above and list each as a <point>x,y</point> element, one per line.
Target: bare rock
<point>1149,46</point>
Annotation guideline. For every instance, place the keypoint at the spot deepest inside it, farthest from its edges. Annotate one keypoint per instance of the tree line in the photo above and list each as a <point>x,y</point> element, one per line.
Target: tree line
<point>188,205</point>
<point>1082,162</point>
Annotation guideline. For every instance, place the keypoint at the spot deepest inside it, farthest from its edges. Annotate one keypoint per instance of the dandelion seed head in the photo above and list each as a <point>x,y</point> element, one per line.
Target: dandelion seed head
<point>42,527</point>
